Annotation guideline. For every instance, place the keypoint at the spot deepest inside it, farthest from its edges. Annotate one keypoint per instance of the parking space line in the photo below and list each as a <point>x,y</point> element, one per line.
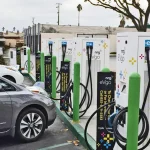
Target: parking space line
<point>55,146</point>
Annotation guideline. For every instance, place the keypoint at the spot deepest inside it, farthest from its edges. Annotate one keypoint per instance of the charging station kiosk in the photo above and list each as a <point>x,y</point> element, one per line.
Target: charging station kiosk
<point>53,49</point>
<point>13,54</point>
<point>65,47</point>
<point>24,56</point>
<point>131,57</point>
<point>24,62</point>
<point>99,60</point>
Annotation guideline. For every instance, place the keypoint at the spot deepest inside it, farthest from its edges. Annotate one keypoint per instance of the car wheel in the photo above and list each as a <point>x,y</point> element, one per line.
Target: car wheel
<point>31,125</point>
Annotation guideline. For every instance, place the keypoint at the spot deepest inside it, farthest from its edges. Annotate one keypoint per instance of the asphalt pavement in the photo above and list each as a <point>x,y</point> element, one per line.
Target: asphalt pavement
<point>56,137</point>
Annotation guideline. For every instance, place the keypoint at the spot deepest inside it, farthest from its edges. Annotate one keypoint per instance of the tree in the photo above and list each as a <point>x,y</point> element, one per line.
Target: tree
<point>49,30</point>
<point>126,8</point>
<point>123,20</point>
<point>2,61</point>
<point>3,29</point>
<point>79,7</point>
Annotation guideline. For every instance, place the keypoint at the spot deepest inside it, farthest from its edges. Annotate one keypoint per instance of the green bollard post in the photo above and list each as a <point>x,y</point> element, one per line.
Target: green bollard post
<point>105,70</point>
<point>29,59</point>
<point>133,111</point>
<point>67,60</point>
<point>42,67</point>
<point>54,77</point>
<point>76,92</point>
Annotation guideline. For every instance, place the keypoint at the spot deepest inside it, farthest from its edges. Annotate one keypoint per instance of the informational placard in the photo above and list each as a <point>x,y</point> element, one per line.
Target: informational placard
<point>38,69</point>
<point>64,81</point>
<point>105,94</point>
<point>18,57</point>
<point>48,74</point>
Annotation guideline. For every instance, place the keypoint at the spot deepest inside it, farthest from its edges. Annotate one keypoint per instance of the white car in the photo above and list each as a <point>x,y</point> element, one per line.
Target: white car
<point>11,73</point>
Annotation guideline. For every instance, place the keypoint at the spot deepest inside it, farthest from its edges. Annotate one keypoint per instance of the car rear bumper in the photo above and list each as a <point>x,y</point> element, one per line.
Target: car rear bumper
<point>51,115</point>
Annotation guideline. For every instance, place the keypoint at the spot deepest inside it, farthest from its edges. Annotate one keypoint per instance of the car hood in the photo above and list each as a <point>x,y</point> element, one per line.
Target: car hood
<point>38,90</point>
<point>35,89</point>
<point>16,68</point>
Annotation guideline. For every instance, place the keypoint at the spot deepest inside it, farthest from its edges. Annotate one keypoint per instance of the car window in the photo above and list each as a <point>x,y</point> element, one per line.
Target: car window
<point>6,86</point>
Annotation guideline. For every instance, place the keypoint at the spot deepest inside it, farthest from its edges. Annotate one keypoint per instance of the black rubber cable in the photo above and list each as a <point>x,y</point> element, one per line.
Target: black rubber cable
<point>105,118</point>
<point>86,126</point>
<point>86,93</point>
<point>145,126</point>
<point>119,137</point>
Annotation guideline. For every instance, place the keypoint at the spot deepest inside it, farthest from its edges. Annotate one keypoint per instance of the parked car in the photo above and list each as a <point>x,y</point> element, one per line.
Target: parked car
<point>11,73</point>
<point>24,114</point>
<point>38,87</point>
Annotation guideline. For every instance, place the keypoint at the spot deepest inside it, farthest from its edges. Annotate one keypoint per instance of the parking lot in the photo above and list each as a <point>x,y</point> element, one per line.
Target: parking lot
<point>56,137</point>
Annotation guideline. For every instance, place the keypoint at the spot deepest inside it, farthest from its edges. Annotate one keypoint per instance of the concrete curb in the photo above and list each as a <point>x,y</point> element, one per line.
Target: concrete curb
<point>77,129</point>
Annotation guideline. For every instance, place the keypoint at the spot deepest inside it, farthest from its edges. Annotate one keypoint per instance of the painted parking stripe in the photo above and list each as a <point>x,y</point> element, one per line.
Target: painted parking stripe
<point>55,146</point>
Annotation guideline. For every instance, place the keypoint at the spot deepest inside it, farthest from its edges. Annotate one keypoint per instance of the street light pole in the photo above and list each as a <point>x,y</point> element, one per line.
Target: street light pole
<point>58,6</point>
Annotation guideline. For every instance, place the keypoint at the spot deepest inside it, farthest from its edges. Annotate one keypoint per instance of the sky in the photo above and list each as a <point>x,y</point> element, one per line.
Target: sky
<point>19,14</point>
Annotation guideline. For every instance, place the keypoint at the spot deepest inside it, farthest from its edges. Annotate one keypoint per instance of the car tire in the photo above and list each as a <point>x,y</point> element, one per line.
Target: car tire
<point>30,125</point>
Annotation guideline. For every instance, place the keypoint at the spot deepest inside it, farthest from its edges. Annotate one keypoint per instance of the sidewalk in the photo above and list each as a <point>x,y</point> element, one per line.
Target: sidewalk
<point>92,126</point>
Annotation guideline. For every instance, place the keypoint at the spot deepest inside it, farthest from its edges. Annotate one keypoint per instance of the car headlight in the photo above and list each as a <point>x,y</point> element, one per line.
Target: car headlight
<point>37,91</point>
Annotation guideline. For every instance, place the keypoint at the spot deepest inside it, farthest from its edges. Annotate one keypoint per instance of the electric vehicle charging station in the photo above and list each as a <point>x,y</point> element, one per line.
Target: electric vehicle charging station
<point>131,57</point>
<point>65,47</point>
<point>13,60</point>
<point>55,51</point>
<point>99,60</point>
<point>18,57</point>
<point>24,56</point>
<point>24,62</point>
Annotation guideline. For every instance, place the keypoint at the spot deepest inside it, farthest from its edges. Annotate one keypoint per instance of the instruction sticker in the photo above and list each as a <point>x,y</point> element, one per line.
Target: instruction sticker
<point>147,43</point>
<point>38,68</point>
<point>48,74</point>
<point>105,94</point>
<point>64,81</point>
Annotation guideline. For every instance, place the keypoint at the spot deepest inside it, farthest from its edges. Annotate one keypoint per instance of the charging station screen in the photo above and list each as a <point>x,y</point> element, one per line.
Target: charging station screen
<point>105,94</point>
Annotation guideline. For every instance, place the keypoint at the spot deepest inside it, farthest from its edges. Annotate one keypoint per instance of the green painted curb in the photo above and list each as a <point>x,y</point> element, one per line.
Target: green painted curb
<point>76,129</point>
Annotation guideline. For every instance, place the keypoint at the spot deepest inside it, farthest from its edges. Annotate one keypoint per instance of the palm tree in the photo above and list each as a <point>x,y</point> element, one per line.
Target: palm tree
<point>3,29</point>
<point>14,28</point>
<point>79,7</point>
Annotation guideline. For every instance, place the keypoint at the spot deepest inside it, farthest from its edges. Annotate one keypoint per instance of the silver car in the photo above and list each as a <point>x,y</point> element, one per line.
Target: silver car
<point>23,114</point>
